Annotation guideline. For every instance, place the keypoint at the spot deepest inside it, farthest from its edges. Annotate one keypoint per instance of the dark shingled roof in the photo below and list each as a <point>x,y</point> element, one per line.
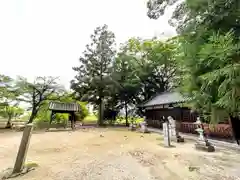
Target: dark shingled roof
<point>58,106</point>
<point>166,98</point>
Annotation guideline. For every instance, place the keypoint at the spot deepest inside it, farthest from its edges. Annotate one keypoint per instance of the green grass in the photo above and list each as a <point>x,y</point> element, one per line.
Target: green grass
<point>90,119</point>
<point>139,120</point>
<point>93,119</point>
<point>123,120</point>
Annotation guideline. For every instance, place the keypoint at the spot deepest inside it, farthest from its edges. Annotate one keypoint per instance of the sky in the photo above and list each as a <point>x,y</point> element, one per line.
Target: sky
<point>47,37</point>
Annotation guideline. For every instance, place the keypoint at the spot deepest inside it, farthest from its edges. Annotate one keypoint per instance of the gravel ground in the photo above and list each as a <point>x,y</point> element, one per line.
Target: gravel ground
<point>116,154</point>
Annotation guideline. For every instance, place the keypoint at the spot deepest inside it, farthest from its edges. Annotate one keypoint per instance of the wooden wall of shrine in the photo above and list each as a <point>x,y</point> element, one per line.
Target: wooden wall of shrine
<point>187,119</point>
<point>154,116</point>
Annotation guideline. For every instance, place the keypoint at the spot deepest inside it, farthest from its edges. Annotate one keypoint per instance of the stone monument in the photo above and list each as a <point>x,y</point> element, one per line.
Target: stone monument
<point>166,134</point>
<point>202,143</point>
<point>174,133</point>
<point>143,127</point>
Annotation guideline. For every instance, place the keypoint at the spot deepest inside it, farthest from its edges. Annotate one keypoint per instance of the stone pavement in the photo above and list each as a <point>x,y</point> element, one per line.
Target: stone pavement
<point>216,143</point>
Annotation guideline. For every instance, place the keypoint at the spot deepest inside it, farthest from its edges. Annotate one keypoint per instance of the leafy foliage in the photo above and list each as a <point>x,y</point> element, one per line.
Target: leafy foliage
<point>199,15</point>
<point>8,99</point>
<point>37,93</point>
<point>223,78</point>
<point>84,110</point>
<point>141,69</point>
<point>10,112</point>
<point>209,33</point>
<point>152,67</point>
<point>8,91</point>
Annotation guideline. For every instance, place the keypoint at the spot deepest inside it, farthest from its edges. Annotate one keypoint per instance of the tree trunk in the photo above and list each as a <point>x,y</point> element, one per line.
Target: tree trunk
<point>30,119</point>
<point>9,123</point>
<point>235,124</point>
<point>126,114</point>
<point>33,115</point>
<point>100,113</point>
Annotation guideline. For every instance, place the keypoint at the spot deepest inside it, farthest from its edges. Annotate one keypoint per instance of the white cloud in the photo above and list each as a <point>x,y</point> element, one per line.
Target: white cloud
<point>46,37</point>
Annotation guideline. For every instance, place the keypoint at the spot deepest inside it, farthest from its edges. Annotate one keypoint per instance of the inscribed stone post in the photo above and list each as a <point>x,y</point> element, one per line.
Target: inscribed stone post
<point>172,123</point>
<point>174,133</point>
<point>22,151</point>
<point>166,134</point>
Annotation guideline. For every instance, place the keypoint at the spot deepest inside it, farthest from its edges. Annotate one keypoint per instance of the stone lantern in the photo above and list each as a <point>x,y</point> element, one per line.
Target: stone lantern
<point>202,142</point>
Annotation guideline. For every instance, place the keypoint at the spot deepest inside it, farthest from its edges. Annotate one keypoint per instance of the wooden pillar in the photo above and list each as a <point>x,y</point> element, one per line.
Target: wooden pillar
<point>51,119</point>
<point>72,120</point>
<point>22,151</point>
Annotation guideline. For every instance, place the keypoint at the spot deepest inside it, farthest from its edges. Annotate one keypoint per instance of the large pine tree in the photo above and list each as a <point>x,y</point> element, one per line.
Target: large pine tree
<point>93,73</point>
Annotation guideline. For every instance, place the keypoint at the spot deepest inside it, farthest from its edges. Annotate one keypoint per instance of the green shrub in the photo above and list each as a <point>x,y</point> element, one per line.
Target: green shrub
<point>131,119</point>
<point>90,118</point>
<point>84,111</point>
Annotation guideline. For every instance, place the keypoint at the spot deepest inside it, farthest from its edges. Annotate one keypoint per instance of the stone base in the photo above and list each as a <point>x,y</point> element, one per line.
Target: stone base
<point>132,128</point>
<point>170,146</point>
<point>58,129</point>
<point>180,139</point>
<point>204,146</point>
<point>177,139</point>
<point>144,130</point>
<point>8,173</point>
<point>19,128</point>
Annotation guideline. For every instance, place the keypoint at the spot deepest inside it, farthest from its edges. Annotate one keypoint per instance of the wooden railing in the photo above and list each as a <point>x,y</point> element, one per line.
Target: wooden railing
<point>154,123</point>
<point>218,131</point>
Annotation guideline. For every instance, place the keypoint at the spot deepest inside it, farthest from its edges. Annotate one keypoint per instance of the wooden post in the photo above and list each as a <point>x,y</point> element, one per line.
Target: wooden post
<point>72,120</point>
<point>22,151</point>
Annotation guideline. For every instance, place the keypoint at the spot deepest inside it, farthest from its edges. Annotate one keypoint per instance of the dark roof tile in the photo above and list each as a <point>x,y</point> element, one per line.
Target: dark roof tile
<point>166,98</point>
<point>59,106</point>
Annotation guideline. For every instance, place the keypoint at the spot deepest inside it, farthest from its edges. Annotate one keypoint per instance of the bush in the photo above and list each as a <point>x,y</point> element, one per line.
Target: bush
<point>84,111</point>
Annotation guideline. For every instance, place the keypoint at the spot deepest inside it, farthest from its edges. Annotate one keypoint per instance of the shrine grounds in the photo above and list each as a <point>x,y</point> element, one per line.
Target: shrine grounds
<point>116,154</point>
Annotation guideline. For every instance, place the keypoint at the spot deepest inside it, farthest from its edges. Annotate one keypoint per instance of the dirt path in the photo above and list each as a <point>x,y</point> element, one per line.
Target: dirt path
<point>118,155</point>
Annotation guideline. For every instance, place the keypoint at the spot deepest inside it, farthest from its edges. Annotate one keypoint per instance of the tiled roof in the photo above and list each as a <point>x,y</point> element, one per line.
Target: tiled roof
<point>58,106</point>
<point>166,98</point>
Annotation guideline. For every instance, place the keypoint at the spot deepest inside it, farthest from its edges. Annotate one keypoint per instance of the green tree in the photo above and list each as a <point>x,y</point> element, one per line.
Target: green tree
<point>193,16</point>
<point>92,80</point>
<point>84,110</point>
<point>125,87</point>
<point>154,66</point>
<point>8,99</point>
<point>210,45</point>
<point>11,112</point>
<point>8,91</point>
<point>37,93</point>
<point>141,69</point>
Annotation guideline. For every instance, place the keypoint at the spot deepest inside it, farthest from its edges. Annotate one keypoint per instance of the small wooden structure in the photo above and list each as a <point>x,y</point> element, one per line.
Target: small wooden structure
<point>167,104</point>
<point>70,108</point>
